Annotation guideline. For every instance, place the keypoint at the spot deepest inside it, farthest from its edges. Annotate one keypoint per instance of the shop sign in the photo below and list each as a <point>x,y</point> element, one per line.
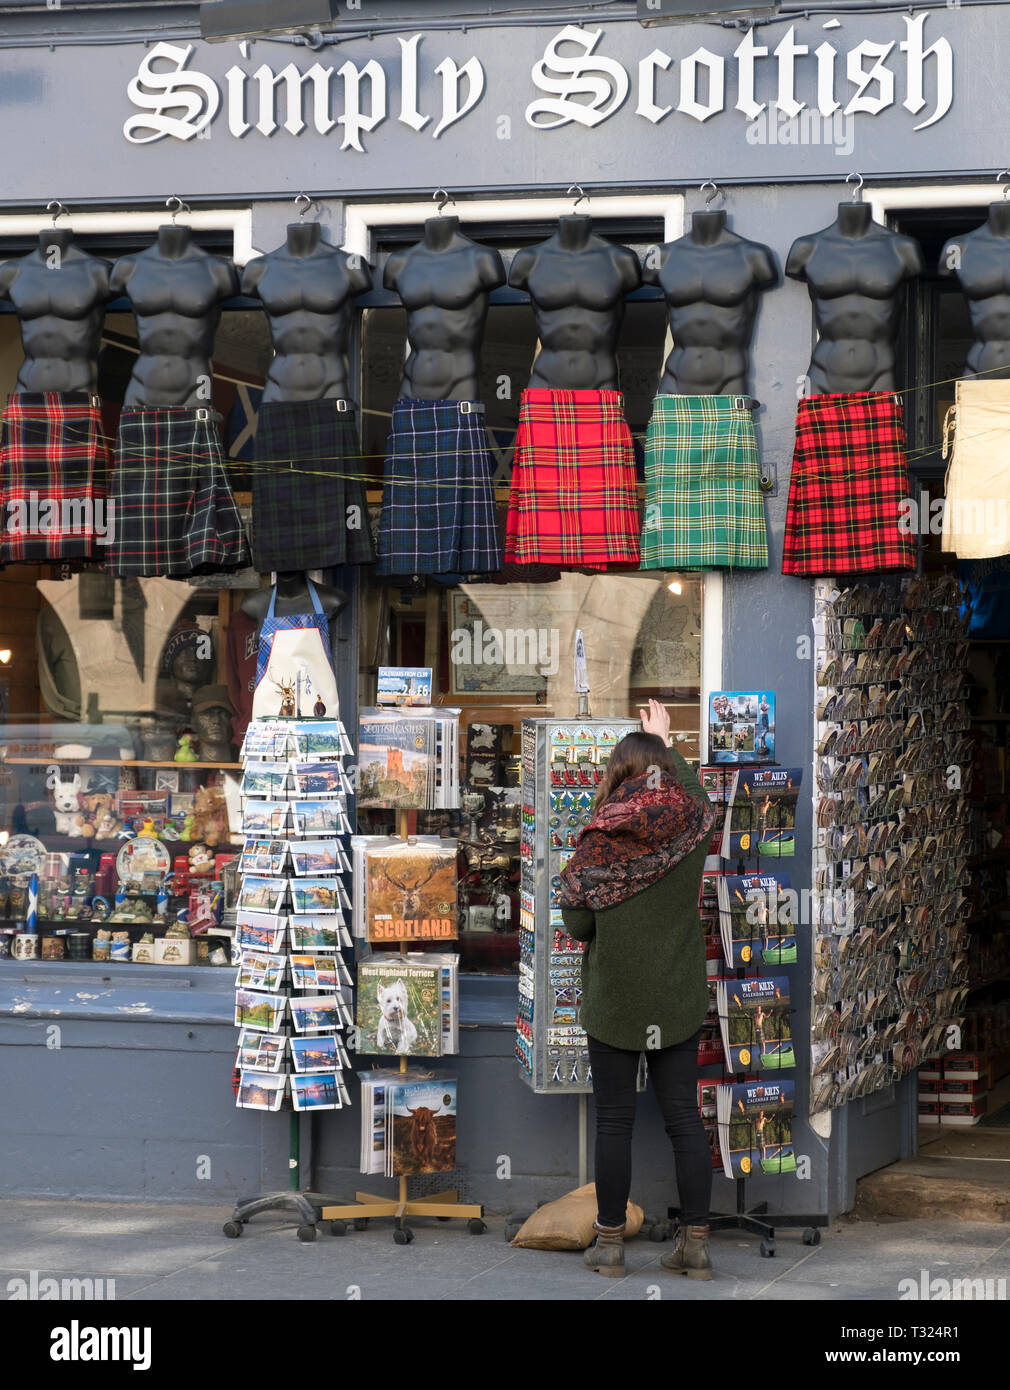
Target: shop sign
<point>575,82</point>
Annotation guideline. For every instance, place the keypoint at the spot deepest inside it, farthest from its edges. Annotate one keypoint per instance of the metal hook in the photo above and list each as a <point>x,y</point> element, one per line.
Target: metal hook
<point>858,189</point>
<point>1004,174</point>
<point>302,210</point>
<point>716,191</point>
<point>60,210</point>
<point>442,198</point>
<point>577,188</point>
<point>180,206</point>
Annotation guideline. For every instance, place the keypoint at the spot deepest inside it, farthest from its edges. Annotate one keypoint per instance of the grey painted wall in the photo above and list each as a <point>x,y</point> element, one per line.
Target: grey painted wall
<point>133,1097</point>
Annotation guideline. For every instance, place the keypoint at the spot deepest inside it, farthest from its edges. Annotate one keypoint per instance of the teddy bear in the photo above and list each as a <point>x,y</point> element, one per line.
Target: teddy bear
<point>201,859</point>
<point>67,807</point>
<point>100,820</point>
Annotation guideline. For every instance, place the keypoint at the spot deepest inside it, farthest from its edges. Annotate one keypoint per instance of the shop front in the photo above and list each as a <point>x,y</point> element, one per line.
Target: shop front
<point>384,230</point>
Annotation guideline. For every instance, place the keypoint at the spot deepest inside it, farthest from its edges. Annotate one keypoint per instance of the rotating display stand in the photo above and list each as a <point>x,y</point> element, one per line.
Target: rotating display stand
<point>445,1206</point>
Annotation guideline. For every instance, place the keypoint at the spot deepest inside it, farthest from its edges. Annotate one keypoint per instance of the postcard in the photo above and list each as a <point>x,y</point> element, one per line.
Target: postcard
<point>259,931</point>
<point>316,1091</point>
<point>316,1013</point>
<point>259,970</point>
<point>314,972</point>
<point>310,933</point>
<point>260,1090</point>
<point>316,819</point>
<point>263,856</point>
<point>270,780</point>
<point>264,1012</point>
<point>260,1052</point>
<point>262,894</point>
<point>315,894</point>
<point>319,739</point>
<point>316,857</point>
<point>315,1054</point>
<point>266,817</point>
<point>320,779</point>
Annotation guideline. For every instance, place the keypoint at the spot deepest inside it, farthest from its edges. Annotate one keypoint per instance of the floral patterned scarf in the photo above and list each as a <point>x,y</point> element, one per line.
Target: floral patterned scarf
<point>639,834</point>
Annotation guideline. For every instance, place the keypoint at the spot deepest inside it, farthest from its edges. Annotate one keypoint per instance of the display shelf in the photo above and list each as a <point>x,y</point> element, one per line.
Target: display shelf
<point>45,759</point>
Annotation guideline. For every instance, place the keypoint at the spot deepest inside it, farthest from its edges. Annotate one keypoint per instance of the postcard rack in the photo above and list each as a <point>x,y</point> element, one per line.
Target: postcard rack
<point>290,907</point>
<point>756,1220</point>
<point>445,1206</point>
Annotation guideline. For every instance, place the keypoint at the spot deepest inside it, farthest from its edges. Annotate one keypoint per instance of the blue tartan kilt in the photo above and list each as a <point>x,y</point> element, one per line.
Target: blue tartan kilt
<point>438,509</point>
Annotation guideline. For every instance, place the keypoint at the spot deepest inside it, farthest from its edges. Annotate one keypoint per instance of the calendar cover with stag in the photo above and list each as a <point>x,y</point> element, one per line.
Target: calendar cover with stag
<point>411,891</point>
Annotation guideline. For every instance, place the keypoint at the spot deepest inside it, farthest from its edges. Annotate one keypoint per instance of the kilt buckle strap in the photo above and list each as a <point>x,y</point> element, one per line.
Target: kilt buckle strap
<point>741,402</point>
<point>341,406</point>
<point>471,407</point>
<point>95,400</point>
<point>202,413</point>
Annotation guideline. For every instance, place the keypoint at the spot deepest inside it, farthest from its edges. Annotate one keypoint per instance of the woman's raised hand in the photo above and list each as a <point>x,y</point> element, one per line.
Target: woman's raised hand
<point>655,720</point>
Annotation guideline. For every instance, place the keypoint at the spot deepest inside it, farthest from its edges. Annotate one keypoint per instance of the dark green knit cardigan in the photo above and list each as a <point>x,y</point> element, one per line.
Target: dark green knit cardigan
<point>643,969</point>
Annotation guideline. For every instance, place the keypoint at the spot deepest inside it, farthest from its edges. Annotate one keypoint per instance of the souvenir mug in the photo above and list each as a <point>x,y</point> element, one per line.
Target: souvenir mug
<point>26,946</point>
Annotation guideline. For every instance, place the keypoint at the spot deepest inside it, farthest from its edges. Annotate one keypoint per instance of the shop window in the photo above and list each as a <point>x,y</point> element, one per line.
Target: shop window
<point>642,630</point>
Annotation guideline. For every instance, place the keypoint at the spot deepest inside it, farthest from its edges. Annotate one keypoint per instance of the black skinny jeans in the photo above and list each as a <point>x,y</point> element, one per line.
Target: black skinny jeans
<point>674,1074</point>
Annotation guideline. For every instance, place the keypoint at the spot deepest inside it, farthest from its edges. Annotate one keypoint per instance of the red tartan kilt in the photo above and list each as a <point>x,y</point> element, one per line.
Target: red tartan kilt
<point>848,481</point>
<point>54,464</point>
<point>574,497</point>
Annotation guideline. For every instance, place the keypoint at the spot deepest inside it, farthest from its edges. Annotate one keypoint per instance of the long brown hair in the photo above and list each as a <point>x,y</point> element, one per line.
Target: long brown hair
<point>634,756</point>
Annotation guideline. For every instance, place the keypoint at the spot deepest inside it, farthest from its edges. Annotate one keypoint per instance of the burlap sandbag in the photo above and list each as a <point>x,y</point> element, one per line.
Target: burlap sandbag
<point>567,1224</point>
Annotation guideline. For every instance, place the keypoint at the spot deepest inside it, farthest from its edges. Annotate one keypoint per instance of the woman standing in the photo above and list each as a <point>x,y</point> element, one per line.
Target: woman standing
<point>630,891</point>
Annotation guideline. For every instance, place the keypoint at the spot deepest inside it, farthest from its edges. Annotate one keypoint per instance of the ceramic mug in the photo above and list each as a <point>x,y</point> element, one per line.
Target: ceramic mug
<point>53,947</point>
<point>80,941</point>
<point>5,945</point>
<point>26,946</point>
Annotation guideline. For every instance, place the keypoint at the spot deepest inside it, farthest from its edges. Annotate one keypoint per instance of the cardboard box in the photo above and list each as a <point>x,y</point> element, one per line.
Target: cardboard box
<point>931,1069</point>
<point>929,1112</point>
<point>143,952</point>
<point>959,1089</point>
<point>967,1112</point>
<point>965,1066</point>
<point>174,950</point>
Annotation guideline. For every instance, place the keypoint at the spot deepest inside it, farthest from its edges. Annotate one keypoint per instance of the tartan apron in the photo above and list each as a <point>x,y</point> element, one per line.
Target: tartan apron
<point>703,503</point>
<point>309,506</point>
<point>54,466</point>
<point>574,497</point>
<point>438,514</point>
<point>175,513</point>
<point>848,484</point>
<point>294,673</point>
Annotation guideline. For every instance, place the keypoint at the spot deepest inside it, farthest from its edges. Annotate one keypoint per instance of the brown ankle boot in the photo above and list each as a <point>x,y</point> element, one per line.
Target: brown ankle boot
<point>690,1253</point>
<point>606,1254</point>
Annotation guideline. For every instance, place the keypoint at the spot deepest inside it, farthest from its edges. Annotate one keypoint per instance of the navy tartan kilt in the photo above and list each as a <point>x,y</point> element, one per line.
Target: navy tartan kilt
<point>438,512</point>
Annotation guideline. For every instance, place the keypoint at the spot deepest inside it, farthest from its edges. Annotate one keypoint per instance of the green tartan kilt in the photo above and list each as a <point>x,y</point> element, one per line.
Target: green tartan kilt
<point>703,503</point>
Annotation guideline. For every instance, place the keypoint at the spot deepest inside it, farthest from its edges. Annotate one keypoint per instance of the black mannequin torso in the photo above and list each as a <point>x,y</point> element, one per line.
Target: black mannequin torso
<point>711,279</point>
<point>981,262</point>
<point>577,283</point>
<point>855,270</point>
<point>59,295</point>
<point>307,287</point>
<point>444,282</point>
<point>293,597</point>
<point>176,290</point>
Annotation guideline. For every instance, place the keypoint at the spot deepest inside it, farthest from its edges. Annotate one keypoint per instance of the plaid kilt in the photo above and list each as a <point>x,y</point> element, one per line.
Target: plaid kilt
<point>703,503</point>
<point>848,482</point>
<point>175,513</point>
<point>574,498</point>
<point>438,513</point>
<point>54,466</point>
<point>307,473</point>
